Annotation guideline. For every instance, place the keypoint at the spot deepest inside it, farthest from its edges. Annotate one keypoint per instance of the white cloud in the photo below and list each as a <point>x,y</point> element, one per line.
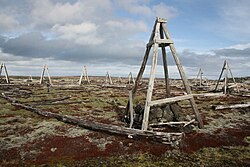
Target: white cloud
<point>145,9</point>
<point>46,12</point>
<point>164,11</point>
<point>239,46</point>
<point>84,33</point>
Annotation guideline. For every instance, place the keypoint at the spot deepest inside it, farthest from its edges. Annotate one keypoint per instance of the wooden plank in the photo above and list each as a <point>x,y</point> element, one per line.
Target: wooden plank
<point>185,123</point>
<point>170,100</point>
<point>160,41</point>
<point>220,107</point>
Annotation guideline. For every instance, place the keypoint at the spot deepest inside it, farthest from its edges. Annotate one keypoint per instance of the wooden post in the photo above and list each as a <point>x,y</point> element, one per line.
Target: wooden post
<point>222,70</point>
<point>143,65</point>
<point>227,69</point>
<point>201,77</point>
<point>80,80</point>
<point>151,80</point>
<point>45,68</point>
<point>233,78</point>
<point>165,66</point>
<point>184,79</point>
<point>131,109</point>
<point>42,75</point>
<point>6,74</point>
<point>130,78</point>
<point>1,69</point>
<point>108,79</point>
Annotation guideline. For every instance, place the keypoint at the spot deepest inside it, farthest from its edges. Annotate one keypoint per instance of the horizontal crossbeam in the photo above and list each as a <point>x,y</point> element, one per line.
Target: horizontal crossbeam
<point>160,41</point>
<point>170,100</point>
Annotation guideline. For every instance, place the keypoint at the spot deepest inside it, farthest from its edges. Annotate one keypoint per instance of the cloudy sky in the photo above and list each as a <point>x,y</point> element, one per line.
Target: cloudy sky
<point>111,35</point>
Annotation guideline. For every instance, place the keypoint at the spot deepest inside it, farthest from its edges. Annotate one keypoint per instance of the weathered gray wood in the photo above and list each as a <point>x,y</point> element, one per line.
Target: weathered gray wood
<point>131,109</point>
<point>233,78</point>
<point>143,65</point>
<point>151,79</point>
<point>227,70</point>
<point>185,123</point>
<point>6,74</point>
<point>85,75</point>
<point>220,107</point>
<point>108,79</point>
<point>198,75</point>
<point>166,138</point>
<point>184,79</point>
<point>45,69</point>
<point>160,41</point>
<point>165,65</point>
<point>42,75</point>
<point>130,78</point>
<point>1,68</point>
<point>217,84</point>
<point>170,100</point>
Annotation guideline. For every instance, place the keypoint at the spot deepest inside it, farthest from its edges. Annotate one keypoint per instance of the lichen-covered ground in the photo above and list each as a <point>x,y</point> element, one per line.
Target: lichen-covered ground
<point>27,139</point>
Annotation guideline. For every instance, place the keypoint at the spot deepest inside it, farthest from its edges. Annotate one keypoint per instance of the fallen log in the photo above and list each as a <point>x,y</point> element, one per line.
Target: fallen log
<point>220,107</point>
<point>163,137</point>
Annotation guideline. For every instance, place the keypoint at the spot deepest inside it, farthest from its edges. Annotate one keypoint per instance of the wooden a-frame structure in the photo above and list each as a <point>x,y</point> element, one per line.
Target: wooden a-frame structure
<point>200,78</point>
<point>3,68</point>
<point>45,68</point>
<point>160,38</point>
<point>85,75</point>
<point>108,79</point>
<point>226,69</point>
<point>131,78</point>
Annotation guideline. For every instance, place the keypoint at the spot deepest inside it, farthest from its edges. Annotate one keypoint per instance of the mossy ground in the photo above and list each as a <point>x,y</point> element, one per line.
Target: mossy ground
<point>32,140</point>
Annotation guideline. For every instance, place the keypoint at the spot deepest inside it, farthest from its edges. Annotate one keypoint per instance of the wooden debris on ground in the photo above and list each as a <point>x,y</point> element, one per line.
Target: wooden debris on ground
<point>162,137</point>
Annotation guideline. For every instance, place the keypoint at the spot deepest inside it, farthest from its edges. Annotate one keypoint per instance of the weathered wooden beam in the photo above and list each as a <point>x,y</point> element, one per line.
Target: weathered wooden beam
<point>220,107</point>
<point>185,123</point>
<point>166,138</point>
<point>160,41</point>
<point>184,78</point>
<point>131,109</point>
<point>170,100</point>
<point>151,80</point>
<point>165,65</point>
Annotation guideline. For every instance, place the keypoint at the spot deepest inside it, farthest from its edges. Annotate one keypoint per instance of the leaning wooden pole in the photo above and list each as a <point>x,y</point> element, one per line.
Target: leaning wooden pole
<point>142,69</point>
<point>42,75</point>
<point>222,70</point>
<point>151,81</point>
<point>6,74</point>
<point>184,79</point>
<point>165,65</point>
